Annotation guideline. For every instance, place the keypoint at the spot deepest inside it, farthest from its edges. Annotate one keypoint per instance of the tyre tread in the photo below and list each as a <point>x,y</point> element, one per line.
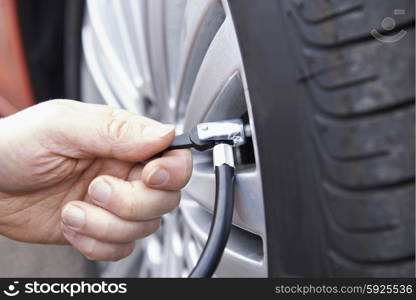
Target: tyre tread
<point>363,115</point>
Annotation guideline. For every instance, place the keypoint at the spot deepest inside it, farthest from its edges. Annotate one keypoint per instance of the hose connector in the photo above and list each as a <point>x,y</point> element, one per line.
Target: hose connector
<point>223,155</point>
<point>231,131</point>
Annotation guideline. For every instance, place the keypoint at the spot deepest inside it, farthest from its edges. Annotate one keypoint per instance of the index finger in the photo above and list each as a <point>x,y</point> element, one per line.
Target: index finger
<point>172,171</point>
<point>86,130</point>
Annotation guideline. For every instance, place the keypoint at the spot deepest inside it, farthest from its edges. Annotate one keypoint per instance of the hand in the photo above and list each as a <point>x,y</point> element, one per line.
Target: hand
<point>75,172</point>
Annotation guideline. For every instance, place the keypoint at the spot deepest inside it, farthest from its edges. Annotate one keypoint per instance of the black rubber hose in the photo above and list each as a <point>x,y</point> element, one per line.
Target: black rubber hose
<point>221,223</point>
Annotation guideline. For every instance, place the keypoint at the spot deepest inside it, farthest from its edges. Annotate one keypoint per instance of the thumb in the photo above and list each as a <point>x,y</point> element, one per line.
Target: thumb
<point>92,130</point>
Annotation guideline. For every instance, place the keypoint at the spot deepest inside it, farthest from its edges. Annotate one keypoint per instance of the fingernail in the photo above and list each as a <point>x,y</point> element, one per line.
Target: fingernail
<point>158,177</point>
<point>73,216</point>
<point>100,191</point>
<point>157,131</point>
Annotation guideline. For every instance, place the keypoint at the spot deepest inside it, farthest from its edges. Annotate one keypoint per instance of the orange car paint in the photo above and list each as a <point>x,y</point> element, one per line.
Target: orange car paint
<point>15,88</point>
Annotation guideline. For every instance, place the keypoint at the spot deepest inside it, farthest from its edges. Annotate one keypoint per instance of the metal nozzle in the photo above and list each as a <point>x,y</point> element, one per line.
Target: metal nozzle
<point>229,130</point>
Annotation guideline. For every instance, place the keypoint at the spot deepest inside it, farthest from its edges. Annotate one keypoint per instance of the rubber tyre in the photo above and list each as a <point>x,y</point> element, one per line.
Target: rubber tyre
<point>334,118</point>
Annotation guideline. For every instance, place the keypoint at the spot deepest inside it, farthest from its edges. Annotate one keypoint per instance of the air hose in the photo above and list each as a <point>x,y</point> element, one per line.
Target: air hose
<point>223,213</point>
<point>220,136</point>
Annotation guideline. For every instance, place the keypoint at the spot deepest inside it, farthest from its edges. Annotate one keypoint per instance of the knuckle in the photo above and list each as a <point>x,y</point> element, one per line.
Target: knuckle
<point>151,227</point>
<point>156,225</point>
<point>128,249</point>
<point>51,110</point>
<point>56,103</point>
<point>120,252</point>
<point>100,181</point>
<point>117,125</point>
<point>176,199</point>
<point>187,155</point>
<point>183,179</point>
<point>57,107</point>
<point>89,249</point>
<point>105,230</point>
<point>136,173</point>
<point>189,164</point>
<point>130,207</point>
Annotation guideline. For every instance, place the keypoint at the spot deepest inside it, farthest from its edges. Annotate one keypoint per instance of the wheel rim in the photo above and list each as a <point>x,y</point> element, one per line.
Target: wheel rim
<point>179,61</point>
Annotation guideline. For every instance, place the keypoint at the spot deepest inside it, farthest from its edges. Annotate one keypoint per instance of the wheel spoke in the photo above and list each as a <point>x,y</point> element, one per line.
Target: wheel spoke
<point>127,39</point>
<point>248,211</point>
<point>174,14</point>
<point>243,254</point>
<point>137,9</point>
<point>156,37</point>
<point>172,251</point>
<point>202,19</point>
<point>128,264</point>
<point>230,103</point>
<point>95,69</point>
<point>120,82</point>
<point>222,58</point>
<point>183,56</point>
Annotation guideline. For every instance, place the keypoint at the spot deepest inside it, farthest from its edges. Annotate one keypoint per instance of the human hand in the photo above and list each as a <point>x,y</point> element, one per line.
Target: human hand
<point>75,172</point>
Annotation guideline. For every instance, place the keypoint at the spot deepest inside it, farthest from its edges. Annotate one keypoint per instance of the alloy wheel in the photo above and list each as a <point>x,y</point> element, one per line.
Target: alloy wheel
<point>179,61</point>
